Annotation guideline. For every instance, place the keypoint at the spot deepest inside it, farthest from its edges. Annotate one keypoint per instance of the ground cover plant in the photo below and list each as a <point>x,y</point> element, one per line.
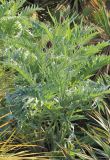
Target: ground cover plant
<point>99,132</point>
<point>52,65</point>
<point>9,149</point>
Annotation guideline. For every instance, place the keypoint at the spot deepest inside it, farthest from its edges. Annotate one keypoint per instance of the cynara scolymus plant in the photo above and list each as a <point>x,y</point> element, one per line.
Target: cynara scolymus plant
<point>53,64</point>
<point>14,20</point>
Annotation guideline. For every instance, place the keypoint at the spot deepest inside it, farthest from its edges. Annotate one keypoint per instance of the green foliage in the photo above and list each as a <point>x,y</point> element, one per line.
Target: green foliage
<point>53,65</point>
